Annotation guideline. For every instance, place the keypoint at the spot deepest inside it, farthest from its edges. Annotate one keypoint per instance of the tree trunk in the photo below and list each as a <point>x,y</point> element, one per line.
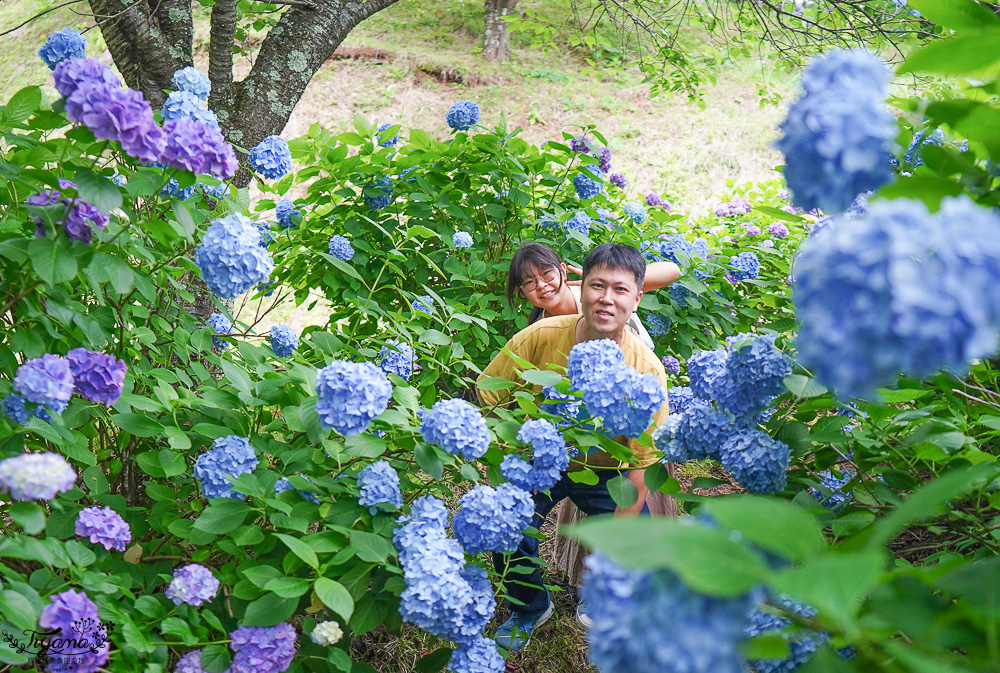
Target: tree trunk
<point>496,36</point>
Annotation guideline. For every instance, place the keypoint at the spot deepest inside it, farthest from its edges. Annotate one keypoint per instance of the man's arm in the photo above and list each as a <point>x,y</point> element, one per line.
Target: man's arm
<point>638,479</point>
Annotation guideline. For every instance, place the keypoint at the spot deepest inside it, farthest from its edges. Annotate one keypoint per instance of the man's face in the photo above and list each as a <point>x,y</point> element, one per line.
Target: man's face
<point>609,297</point>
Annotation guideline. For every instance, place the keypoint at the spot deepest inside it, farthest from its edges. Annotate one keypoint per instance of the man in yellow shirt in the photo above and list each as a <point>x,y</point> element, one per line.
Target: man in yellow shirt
<point>610,293</point>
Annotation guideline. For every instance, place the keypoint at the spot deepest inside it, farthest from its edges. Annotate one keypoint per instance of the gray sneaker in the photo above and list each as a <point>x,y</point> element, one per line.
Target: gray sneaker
<point>516,632</point>
<point>582,618</point>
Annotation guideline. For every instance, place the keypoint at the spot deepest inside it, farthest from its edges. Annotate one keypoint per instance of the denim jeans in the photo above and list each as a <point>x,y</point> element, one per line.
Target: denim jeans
<point>591,499</point>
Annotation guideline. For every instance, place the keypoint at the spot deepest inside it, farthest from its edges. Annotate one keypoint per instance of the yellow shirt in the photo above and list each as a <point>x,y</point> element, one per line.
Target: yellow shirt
<point>547,344</point>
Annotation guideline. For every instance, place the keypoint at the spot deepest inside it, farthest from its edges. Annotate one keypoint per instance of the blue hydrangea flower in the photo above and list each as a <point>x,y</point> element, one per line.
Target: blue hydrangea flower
<point>618,180</point>
<point>46,380</point>
<point>36,476</point>
<point>193,81</point>
<point>457,427</point>
<point>103,526</point>
<point>350,395</point>
<point>220,324</point>
<point>13,405</point>
<point>831,493</point>
<point>672,365</point>
<point>462,239</point>
<point>517,471</point>
<point>423,303</point>
<point>230,456</point>
<point>173,188</point>
<point>635,212</point>
<point>476,655</point>
<point>493,519</point>
<point>231,258</point>
<point>745,266</point>
<point>549,458</point>
<point>569,406</point>
<point>397,357</point>
<point>284,340</point>
<point>838,136</point>
<point>917,294</point>
<point>650,621</point>
<point>588,359</point>
<point>271,158</point>
<point>755,362</point>
<point>262,649</point>
<point>72,608</point>
<point>99,377</point>
<point>341,248</point>
<point>657,325</point>
<point>756,460</point>
<point>588,187</point>
<point>187,105</point>
<point>802,644</point>
<point>920,139</point>
<point>427,521</point>
<point>379,485</point>
<point>217,192</point>
<point>284,212</point>
<point>266,235</point>
<point>679,293</point>
<point>62,45</point>
<point>387,142</point>
<point>192,585</point>
<point>696,434</point>
<point>580,222</point>
<point>680,399</point>
<point>463,115</point>
<point>377,194</point>
<point>284,484</point>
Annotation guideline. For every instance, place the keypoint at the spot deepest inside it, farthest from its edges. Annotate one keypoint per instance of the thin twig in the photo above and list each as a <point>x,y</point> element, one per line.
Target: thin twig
<point>41,13</point>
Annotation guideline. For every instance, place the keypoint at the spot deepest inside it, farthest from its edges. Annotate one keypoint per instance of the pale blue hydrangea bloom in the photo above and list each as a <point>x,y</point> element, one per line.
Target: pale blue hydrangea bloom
<point>104,526</point>
<point>187,105</point>
<point>518,472</point>
<point>398,358</point>
<point>284,212</point>
<point>696,434</point>
<point>231,258</point>
<point>462,239</point>
<point>423,303</point>
<point>680,399</point>
<point>549,455</point>
<point>351,395</point>
<point>457,427</point>
<point>580,222</point>
<point>62,45</point>
<point>379,485</point>
<point>46,380</point>
<point>463,115</point>
<point>491,519</point>
<point>635,211</point>
<point>271,158</point>
<point>193,81</point>
<point>284,484</point>
<point>193,584</point>
<point>230,456</point>
<point>588,358</point>
<point>341,248</point>
<point>756,460</point>
<point>284,340</point>
<point>220,324</point>
<point>477,655</point>
<point>36,476</point>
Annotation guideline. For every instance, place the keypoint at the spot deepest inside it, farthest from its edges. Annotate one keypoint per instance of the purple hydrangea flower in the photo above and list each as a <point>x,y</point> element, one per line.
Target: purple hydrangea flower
<point>262,649</point>
<point>231,258</point>
<point>69,74</point>
<point>284,340</point>
<point>284,212</point>
<point>379,485</point>
<point>738,206</point>
<point>13,405</point>
<point>463,115</point>
<point>653,200</point>
<point>36,476</point>
<point>97,376</point>
<point>462,239</point>
<point>69,612</point>
<point>81,220</point>
<point>618,180</point>
<point>46,380</point>
<point>398,358</point>
<point>191,663</point>
<point>588,187</point>
<point>220,324</point>
<point>187,105</point>
<point>103,526</point>
<point>230,456</point>
<point>672,364</point>
<point>271,158</point>
<point>62,45</point>
<point>751,230</point>
<point>386,142</point>
<point>193,584</point>
<point>493,519</point>
<point>457,427</point>
<point>193,81</point>
<point>341,248</point>
<point>580,144</point>
<point>350,395</point>
<point>377,194</point>
<point>120,114</point>
<point>605,157</point>
<point>777,229</point>
<point>194,146</point>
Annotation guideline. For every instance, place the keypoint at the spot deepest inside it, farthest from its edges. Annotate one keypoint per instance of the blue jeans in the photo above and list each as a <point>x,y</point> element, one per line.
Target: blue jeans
<point>591,500</point>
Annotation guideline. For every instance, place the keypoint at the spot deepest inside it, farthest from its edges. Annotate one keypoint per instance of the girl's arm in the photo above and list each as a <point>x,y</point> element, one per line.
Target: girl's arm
<point>660,274</point>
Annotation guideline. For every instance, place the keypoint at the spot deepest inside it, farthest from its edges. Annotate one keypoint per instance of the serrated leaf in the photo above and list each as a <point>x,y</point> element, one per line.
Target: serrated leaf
<point>52,260</point>
<point>97,190</point>
<point>335,596</point>
<point>215,658</point>
<point>300,549</point>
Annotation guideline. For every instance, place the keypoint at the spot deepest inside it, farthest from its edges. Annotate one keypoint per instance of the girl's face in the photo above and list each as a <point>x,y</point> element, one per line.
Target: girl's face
<point>544,287</point>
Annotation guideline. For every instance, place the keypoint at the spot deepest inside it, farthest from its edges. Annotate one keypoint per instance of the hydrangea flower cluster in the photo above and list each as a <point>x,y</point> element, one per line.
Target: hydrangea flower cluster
<point>777,229</point>
<point>745,266</point>
<point>36,476</point>
<point>398,358</point>
<point>62,45</point>
<point>284,484</point>
<point>327,634</point>
<point>831,493</point>
<point>387,142</point>
<point>231,258</point>
<point>635,211</point>
<point>379,485</point>
<point>190,663</point>
<point>549,457</point>
<point>377,194</point>
<point>618,180</point>
<point>650,621</point>
<point>605,157</point>
<point>918,294</point>
<point>751,230</point>
<point>477,655</point>
<point>588,187</point>
<point>103,526</point>
<point>188,105</point>
<point>443,596</point>
<point>758,462</point>
<point>220,324</point>
<point>838,135</point>
<point>97,376</point>
<point>580,144</point>
<point>192,145</point>
<point>46,380</point>
<point>462,239</point>
<point>193,584</point>
<point>14,407</point>
<point>657,325</point>
<point>681,399</point>
<point>79,218</point>
<point>654,200</point>
<point>463,115</point>
<point>284,340</point>
<point>71,73</point>
<point>113,113</point>
<point>341,248</point>
<point>193,81</point>
<point>493,519</point>
<point>570,407</point>
<point>75,607</point>
<point>284,212</point>
<point>350,395</point>
<point>580,222</point>
<point>673,366</point>
<point>669,245</point>
<point>230,456</point>
<point>271,158</point>
<point>262,649</point>
<point>802,644</point>
<point>457,427</point>
<point>423,303</point>
<point>696,433</point>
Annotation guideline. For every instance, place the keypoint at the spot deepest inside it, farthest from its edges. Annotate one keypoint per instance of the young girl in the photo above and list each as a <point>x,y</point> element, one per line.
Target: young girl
<point>537,274</point>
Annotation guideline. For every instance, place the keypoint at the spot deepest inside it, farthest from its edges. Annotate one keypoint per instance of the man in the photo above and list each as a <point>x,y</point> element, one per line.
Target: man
<point>611,289</point>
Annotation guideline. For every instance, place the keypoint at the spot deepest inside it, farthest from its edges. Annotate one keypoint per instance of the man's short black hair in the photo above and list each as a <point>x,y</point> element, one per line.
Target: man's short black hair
<point>616,256</point>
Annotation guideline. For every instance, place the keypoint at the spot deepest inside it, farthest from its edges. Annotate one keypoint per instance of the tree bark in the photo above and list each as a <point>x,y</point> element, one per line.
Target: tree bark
<point>496,36</point>
<point>174,19</point>
<point>220,51</point>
